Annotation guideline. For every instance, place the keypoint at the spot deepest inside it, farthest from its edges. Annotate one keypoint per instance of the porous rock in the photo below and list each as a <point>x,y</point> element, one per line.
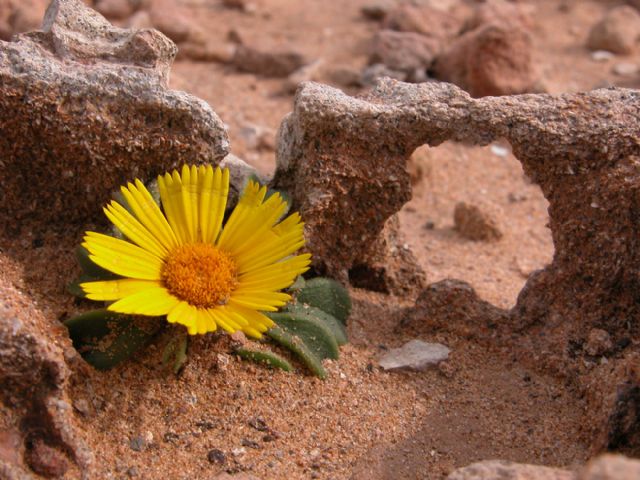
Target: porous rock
<point>478,221</point>
<point>611,467</point>
<point>618,31</point>
<point>403,51</point>
<point>344,160</point>
<point>505,470</point>
<point>86,106</point>
<point>34,376</point>
<point>491,60</point>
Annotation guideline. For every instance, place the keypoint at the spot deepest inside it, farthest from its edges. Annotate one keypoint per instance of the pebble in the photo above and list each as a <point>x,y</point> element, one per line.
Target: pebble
<point>216,456</point>
<point>625,69</point>
<point>598,342</point>
<point>499,150</point>
<point>45,460</point>
<point>601,55</point>
<point>259,424</point>
<point>250,443</point>
<point>415,355</point>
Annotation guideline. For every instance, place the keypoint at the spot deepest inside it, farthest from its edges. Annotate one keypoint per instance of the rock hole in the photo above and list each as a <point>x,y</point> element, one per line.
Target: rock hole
<point>476,217</point>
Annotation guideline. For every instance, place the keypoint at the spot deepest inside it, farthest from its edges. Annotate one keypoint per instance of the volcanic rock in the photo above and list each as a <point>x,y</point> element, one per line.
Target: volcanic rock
<point>85,106</point>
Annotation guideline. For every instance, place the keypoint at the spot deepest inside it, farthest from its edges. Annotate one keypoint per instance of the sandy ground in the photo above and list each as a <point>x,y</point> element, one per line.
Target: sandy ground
<point>361,422</point>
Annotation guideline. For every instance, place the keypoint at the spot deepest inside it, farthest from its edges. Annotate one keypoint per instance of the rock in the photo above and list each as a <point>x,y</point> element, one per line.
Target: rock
<point>625,69</point>
<point>306,73</point>
<point>377,71</point>
<point>490,61</point>
<point>601,56</point>
<point>377,9</point>
<point>115,9</point>
<point>342,75</point>
<point>611,467</point>
<point>235,4</point>
<point>167,17</point>
<point>598,342</point>
<point>46,460</point>
<point>501,13</point>
<point>504,470</point>
<point>453,306</point>
<point>480,221</point>
<point>403,51</point>
<point>206,52</point>
<point>423,19</point>
<point>257,137</point>
<point>140,19</point>
<point>216,456</point>
<point>270,63</point>
<point>414,355</point>
<point>92,128</point>
<point>239,174</point>
<point>345,214</point>
<point>617,32</point>
<point>27,15</point>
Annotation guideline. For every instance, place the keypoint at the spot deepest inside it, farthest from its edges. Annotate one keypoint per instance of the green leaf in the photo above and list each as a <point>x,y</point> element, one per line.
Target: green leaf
<point>296,345</point>
<point>106,338</point>
<point>266,358</point>
<point>327,295</point>
<point>315,314</point>
<point>311,331</point>
<point>90,269</point>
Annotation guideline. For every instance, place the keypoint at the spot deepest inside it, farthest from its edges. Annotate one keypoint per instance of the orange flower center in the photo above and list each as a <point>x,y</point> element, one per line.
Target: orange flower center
<point>200,274</point>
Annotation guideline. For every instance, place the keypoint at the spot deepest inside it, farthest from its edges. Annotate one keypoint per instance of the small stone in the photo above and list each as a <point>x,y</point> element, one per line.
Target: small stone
<point>238,452</point>
<point>114,9</point>
<point>166,17</point>
<point>258,138</point>
<point>82,406</point>
<point>206,52</point>
<point>423,19</point>
<point>598,342</point>
<point>415,355</point>
<point>602,55</point>
<point>137,444</point>
<point>239,337</point>
<point>373,73</point>
<point>501,12</point>
<point>133,472</point>
<point>267,62</point>
<point>216,456</point>
<point>259,424</point>
<point>46,460</point>
<point>617,32</point>
<point>625,69</point>
<point>403,51</point>
<point>479,221</point>
<point>377,9</point>
<point>499,150</point>
<point>250,443</point>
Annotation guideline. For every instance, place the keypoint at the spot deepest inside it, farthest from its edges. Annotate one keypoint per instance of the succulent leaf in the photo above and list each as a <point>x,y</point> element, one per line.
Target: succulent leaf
<point>308,312</point>
<point>266,358</point>
<point>296,345</point>
<point>327,295</point>
<point>315,335</point>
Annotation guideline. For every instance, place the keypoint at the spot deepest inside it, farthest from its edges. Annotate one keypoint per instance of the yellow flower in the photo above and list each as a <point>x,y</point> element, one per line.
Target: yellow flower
<point>184,264</point>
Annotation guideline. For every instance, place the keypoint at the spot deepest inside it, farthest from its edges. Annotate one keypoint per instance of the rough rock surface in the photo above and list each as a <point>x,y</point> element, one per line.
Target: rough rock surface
<point>617,32</point>
<point>91,128</point>
<point>503,470</point>
<point>611,467</point>
<point>480,221</point>
<point>344,160</point>
<point>491,60</point>
<point>34,375</point>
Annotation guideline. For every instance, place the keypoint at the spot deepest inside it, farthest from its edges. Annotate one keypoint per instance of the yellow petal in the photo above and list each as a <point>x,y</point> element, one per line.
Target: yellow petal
<point>116,289</point>
<point>257,322</point>
<point>213,190</point>
<point>148,212</point>
<point>133,229</point>
<point>171,202</point>
<point>292,267</point>
<point>121,257</point>
<point>184,314</point>
<point>154,301</point>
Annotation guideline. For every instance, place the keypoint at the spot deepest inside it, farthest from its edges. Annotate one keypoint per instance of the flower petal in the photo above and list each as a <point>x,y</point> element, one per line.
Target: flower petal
<point>154,301</point>
<point>133,229</point>
<point>213,190</point>
<point>109,290</point>
<point>122,257</point>
<point>149,214</point>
